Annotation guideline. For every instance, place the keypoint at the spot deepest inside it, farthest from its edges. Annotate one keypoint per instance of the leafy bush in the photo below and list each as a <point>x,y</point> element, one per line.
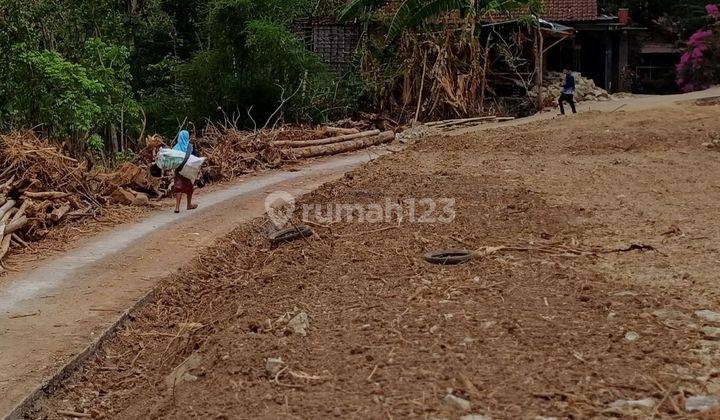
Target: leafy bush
<point>699,65</point>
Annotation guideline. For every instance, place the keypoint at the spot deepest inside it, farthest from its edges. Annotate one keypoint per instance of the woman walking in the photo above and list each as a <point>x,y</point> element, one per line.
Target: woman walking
<point>183,185</point>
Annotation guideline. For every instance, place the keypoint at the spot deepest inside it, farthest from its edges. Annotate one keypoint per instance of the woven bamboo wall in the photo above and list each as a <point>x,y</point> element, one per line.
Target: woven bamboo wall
<point>334,42</point>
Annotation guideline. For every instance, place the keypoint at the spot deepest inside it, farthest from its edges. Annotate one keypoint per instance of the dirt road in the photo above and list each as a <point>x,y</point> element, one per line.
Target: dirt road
<point>595,293</point>
<point>53,310</point>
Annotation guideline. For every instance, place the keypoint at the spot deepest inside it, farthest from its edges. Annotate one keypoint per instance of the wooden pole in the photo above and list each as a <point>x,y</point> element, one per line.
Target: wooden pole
<point>539,67</point>
<point>486,57</point>
<point>422,87</point>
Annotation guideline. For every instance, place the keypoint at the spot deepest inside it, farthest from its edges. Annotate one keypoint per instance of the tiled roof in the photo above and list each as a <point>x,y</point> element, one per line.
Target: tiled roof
<point>557,10</point>
<point>570,10</point>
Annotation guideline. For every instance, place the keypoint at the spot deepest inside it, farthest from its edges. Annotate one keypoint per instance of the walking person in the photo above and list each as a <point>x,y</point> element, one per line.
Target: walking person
<point>181,184</point>
<point>568,92</point>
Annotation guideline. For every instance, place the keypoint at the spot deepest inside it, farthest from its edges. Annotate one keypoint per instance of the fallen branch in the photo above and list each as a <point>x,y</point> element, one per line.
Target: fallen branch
<point>15,225</point>
<point>68,413</point>
<point>6,207</point>
<point>456,121</point>
<point>46,195</point>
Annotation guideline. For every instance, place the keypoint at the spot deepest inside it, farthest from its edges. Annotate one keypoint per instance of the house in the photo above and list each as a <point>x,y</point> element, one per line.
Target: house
<point>592,44</point>
<point>600,46</point>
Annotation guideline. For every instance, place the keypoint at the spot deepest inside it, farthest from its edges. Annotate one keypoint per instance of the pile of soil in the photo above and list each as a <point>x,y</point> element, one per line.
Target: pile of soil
<point>540,328</point>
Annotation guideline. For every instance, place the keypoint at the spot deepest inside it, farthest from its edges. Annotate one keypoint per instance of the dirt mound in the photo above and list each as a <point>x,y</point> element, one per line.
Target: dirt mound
<point>536,329</point>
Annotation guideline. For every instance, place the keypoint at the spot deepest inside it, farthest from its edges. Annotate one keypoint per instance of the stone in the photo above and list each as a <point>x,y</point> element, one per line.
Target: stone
<point>273,366</point>
<point>475,417</point>
<point>644,403</point>
<point>122,196</point>
<point>711,332</point>
<point>545,418</point>
<point>457,402</point>
<point>182,372</point>
<point>708,315</point>
<point>701,403</point>
<point>632,336</point>
<point>299,324</point>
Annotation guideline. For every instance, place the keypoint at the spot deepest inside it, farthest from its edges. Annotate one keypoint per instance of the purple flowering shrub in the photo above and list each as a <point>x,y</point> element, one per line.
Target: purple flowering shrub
<point>699,65</point>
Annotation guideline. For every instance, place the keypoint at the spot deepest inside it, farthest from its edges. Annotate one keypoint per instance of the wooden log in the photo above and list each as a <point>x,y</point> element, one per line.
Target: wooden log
<point>8,183</point>
<point>3,200</point>
<point>441,124</point>
<point>6,208</point>
<point>340,130</point>
<point>335,148</point>
<point>46,195</point>
<point>15,225</point>
<point>19,240</point>
<point>330,140</point>
<point>5,241</point>
<point>59,213</point>
<point>21,210</point>
<point>453,120</point>
<point>5,246</point>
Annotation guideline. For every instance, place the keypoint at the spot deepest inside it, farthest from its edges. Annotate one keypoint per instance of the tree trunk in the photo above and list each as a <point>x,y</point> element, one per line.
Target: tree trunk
<point>336,148</point>
<point>338,139</point>
<point>113,140</point>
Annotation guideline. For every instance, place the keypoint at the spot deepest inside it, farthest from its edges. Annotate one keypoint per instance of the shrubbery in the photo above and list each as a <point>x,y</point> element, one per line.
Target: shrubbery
<point>699,65</point>
<point>87,70</point>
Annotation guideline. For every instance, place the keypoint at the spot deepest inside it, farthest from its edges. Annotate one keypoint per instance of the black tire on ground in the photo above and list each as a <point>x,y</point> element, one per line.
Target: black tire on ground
<point>290,234</point>
<point>449,256</point>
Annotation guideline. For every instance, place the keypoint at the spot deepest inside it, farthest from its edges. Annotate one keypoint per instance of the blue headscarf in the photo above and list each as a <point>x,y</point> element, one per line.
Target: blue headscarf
<point>183,142</point>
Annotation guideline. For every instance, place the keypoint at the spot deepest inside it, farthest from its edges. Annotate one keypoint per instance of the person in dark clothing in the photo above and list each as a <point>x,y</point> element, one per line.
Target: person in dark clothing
<point>568,92</point>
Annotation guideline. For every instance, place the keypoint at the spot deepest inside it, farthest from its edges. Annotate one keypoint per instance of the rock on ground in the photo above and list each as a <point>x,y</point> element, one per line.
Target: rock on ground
<point>182,372</point>
<point>702,403</point>
<point>299,324</point>
<point>708,315</point>
<point>457,402</point>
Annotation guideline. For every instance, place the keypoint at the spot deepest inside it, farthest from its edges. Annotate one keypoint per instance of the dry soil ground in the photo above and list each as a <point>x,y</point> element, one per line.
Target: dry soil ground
<point>569,321</point>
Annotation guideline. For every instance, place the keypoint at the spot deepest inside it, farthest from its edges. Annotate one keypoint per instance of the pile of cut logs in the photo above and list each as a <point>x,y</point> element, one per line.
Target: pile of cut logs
<point>12,219</point>
<point>344,140</point>
<point>40,188</point>
<point>27,215</point>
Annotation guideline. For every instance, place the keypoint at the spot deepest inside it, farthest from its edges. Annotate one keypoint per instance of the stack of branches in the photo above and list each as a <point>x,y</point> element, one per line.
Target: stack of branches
<point>42,188</point>
<point>231,153</point>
